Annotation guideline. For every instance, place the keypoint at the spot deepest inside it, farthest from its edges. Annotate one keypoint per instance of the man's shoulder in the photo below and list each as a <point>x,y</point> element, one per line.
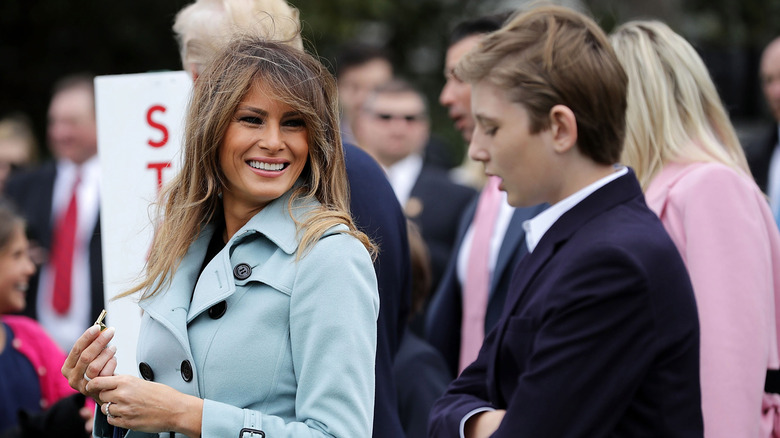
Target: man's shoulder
<point>438,180</point>
<point>30,186</point>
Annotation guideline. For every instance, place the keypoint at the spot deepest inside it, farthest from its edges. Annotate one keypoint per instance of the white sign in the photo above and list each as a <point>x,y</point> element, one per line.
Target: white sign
<point>140,121</point>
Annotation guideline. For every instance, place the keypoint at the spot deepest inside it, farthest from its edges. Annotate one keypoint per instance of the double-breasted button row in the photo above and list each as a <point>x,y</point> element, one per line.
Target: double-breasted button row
<point>148,374</point>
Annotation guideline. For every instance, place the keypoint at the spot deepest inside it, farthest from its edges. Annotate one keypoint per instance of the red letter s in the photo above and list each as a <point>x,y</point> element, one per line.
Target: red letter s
<point>161,127</point>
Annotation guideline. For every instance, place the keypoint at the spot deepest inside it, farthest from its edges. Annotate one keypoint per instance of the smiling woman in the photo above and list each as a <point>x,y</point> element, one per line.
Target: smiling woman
<point>29,358</point>
<point>286,345</point>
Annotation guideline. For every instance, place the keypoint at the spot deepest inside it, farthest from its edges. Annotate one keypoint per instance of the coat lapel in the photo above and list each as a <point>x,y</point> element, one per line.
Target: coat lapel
<point>273,222</point>
<point>170,306</point>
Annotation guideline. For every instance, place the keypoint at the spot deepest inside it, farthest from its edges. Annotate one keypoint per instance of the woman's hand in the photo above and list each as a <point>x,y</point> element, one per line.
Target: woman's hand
<point>137,404</point>
<point>89,358</point>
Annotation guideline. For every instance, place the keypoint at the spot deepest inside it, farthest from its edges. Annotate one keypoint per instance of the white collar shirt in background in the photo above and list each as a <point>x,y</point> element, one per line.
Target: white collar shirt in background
<point>402,176</point>
<point>65,329</point>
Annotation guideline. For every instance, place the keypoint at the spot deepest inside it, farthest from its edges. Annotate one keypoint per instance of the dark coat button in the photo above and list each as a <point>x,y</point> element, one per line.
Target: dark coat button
<point>186,371</point>
<point>242,271</point>
<point>217,310</point>
<point>146,371</point>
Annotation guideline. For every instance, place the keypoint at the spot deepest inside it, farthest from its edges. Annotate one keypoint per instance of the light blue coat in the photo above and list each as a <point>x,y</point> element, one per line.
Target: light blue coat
<point>293,353</point>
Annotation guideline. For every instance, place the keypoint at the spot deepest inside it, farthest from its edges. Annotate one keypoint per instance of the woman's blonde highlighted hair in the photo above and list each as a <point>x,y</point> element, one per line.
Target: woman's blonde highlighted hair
<point>674,111</point>
<point>192,199</point>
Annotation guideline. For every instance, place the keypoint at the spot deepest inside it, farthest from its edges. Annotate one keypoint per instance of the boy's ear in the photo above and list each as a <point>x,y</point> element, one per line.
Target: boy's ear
<point>563,126</point>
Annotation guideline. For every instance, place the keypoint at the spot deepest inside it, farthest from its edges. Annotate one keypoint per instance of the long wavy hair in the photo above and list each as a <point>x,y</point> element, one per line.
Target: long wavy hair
<point>192,198</point>
<point>674,112</point>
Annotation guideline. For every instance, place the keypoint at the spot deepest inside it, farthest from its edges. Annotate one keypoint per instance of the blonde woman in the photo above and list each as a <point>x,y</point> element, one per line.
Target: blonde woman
<point>260,300</point>
<point>686,155</point>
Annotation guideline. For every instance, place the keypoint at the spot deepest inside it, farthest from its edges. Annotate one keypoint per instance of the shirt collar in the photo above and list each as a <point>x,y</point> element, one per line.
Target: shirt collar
<point>536,227</point>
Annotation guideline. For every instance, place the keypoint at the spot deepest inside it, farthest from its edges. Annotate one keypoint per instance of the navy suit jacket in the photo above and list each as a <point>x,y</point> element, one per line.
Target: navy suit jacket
<point>599,336</point>
<point>376,212</point>
<point>444,314</point>
<point>759,156</point>
<point>31,192</point>
<point>442,203</point>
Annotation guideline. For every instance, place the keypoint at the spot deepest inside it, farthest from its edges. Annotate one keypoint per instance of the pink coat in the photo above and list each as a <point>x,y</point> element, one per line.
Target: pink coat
<point>727,236</point>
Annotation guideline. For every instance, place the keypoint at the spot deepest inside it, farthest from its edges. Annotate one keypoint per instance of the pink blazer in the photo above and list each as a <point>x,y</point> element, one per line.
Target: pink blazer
<point>727,236</point>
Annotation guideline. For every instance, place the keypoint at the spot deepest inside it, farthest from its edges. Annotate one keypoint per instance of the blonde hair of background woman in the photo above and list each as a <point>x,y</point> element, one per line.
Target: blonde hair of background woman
<point>672,103</point>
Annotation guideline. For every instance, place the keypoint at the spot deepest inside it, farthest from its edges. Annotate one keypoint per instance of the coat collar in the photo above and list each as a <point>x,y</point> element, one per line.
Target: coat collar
<point>191,292</point>
<point>663,182</point>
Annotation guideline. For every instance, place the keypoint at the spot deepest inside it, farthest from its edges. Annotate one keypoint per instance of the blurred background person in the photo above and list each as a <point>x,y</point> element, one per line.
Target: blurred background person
<point>373,205</point>
<point>393,126</point>
<point>490,238</point>
<point>764,154</point>
<point>455,96</point>
<point>360,68</point>
<point>60,201</point>
<point>18,146</point>
<point>420,372</point>
<point>689,161</point>
<point>35,400</point>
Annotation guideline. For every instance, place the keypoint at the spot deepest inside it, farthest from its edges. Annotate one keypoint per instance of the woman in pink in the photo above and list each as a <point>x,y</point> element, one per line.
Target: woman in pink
<point>686,154</point>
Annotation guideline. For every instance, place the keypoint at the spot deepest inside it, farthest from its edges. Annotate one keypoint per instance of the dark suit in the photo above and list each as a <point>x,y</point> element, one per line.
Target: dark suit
<point>32,192</point>
<point>599,336</point>
<point>444,317</point>
<point>759,156</point>
<point>435,206</point>
<point>422,377</point>
<point>376,212</point>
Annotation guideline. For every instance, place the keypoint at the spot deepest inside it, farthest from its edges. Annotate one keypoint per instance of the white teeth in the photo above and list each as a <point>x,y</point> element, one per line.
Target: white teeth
<point>266,166</point>
<point>21,287</point>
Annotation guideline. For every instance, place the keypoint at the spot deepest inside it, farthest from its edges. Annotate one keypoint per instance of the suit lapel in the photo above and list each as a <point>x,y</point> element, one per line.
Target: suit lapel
<point>514,241</point>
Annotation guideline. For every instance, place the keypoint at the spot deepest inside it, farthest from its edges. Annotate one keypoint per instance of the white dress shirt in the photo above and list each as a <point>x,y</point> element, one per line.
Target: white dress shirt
<point>402,176</point>
<point>65,329</point>
<point>496,240</point>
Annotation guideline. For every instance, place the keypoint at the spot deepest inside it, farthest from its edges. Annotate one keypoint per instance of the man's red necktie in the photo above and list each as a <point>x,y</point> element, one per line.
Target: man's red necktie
<point>63,244</point>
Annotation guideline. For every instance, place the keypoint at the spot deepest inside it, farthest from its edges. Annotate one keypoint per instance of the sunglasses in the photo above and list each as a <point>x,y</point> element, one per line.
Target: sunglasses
<point>409,118</point>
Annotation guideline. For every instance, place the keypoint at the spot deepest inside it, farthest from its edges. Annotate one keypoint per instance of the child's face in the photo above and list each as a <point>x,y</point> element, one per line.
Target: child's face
<point>15,271</point>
